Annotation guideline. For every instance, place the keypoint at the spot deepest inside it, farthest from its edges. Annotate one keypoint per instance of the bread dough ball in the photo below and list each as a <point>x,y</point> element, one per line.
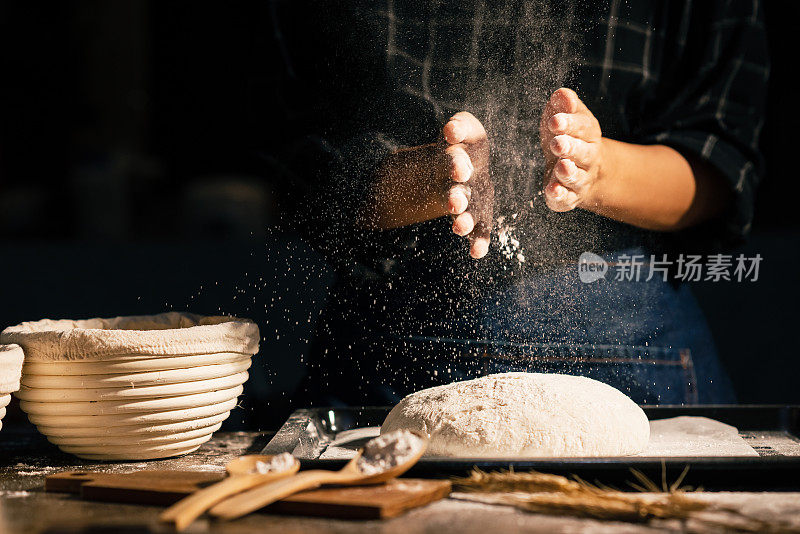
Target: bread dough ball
<point>524,415</point>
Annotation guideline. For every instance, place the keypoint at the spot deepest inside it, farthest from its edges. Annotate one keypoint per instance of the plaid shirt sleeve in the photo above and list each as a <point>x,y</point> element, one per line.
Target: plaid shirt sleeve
<point>691,75</point>
<point>715,106</point>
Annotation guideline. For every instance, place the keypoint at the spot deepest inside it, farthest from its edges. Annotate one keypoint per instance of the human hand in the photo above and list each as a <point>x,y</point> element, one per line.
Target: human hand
<point>465,175</point>
<point>572,142</point>
<point>449,177</point>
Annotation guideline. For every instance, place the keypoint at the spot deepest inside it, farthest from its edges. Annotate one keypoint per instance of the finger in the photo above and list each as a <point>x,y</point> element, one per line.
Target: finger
<point>463,127</point>
<point>559,102</point>
<point>458,198</point>
<point>461,167</point>
<point>566,100</point>
<point>580,125</point>
<point>570,175</point>
<point>479,237</point>
<point>579,151</point>
<point>479,246</point>
<point>559,198</point>
<point>463,224</point>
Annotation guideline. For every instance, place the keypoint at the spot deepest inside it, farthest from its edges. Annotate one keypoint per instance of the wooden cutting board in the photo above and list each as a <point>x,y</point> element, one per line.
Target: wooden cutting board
<point>166,487</point>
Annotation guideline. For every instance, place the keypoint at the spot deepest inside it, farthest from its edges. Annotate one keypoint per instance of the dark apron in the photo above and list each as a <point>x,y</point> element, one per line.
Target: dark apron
<point>648,339</point>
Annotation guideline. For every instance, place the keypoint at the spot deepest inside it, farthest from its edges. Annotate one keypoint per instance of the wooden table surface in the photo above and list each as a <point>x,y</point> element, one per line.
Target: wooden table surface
<point>26,458</point>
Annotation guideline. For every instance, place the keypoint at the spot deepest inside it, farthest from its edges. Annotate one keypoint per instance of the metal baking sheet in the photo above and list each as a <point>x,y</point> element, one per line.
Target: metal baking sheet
<point>772,431</point>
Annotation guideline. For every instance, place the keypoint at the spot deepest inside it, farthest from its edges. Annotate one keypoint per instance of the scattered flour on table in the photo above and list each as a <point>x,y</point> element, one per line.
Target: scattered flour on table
<point>389,450</point>
<point>28,470</point>
<point>14,494</point>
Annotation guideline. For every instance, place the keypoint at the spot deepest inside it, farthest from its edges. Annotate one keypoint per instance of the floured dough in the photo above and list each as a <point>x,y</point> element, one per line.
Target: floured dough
<point>524,414</point>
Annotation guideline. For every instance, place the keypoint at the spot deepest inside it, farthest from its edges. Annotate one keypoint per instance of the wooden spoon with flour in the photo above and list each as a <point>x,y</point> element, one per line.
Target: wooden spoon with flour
<point>245,472</point>
<point>382,459</point>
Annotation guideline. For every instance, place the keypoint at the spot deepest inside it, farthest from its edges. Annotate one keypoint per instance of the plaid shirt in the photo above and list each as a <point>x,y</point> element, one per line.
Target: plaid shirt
<point>367,78</point>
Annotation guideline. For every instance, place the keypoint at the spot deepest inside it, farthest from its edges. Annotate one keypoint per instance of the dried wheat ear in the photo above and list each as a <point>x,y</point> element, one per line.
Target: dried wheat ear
<point>544,493</point>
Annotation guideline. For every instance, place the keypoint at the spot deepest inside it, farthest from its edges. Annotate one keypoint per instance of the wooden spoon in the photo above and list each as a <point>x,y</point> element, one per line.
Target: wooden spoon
<point>243,476</point>
<point>349,475</point>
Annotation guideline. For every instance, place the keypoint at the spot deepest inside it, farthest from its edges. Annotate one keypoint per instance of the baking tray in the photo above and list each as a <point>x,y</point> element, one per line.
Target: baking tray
<point>307,433</point>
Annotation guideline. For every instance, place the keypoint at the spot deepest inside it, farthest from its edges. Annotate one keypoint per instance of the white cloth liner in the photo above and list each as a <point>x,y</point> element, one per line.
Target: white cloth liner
<point>172,333</point>
<point>687,435</point>
<point>11,358</point>
<point>682,436</point>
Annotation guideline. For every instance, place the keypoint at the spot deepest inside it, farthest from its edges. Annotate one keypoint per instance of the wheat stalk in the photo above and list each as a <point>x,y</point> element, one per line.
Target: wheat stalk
<point>553,494</point>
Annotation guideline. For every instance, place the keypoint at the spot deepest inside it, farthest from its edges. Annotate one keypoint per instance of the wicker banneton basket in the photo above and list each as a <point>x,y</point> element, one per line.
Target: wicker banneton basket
<point>132,388</point>
<point>10,370</point>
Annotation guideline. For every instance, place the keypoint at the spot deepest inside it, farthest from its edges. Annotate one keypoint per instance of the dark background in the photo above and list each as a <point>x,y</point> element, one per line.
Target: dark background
<point>127,187</point>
